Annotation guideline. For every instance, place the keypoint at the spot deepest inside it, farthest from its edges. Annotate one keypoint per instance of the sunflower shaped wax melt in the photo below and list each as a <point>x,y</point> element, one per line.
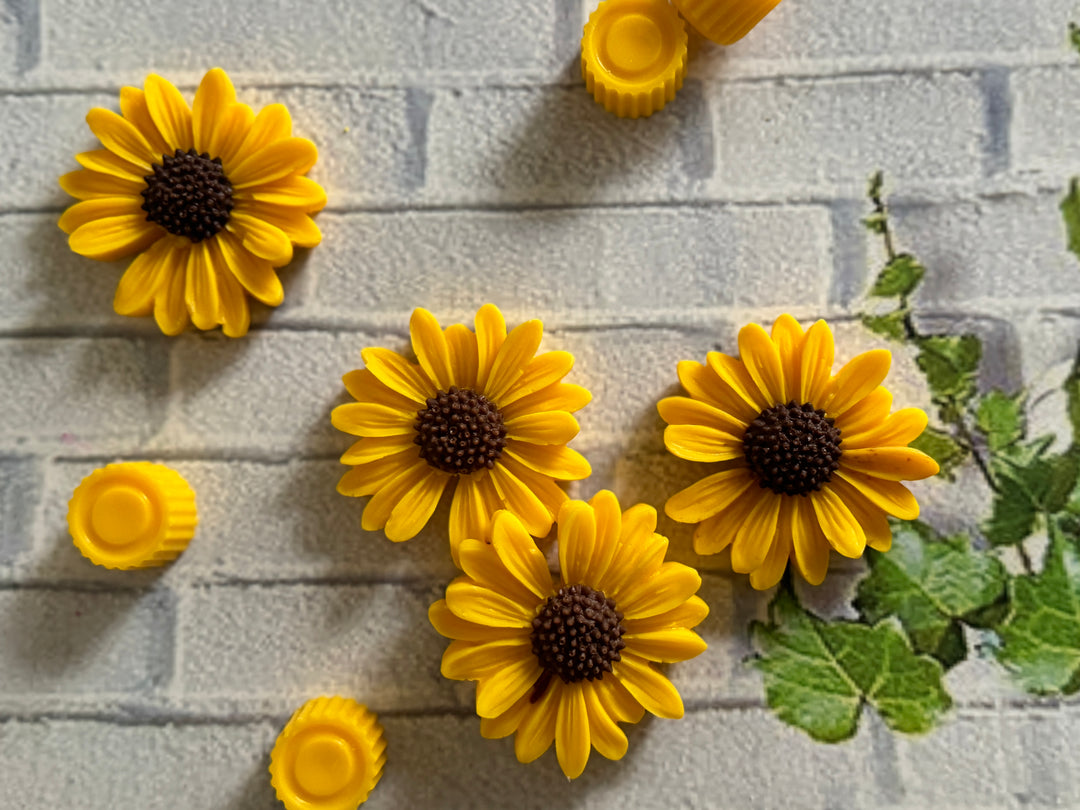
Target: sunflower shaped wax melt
<point>212,198</point>
<point>725,21</point>
<point>568,660</point>
<point>807,461</point>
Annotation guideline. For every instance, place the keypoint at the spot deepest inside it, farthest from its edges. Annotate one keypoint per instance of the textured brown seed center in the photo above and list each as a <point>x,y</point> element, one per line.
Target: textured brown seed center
<point>188,195</point>
<point>577,635</point>
<point>793,449</point>
<point>460,432</point>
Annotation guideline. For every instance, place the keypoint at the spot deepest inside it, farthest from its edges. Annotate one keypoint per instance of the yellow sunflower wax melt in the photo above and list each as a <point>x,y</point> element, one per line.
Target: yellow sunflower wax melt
<point>132,515</point>
<point>806,462</point>
<point>480,413</point>
<point>209,198</point>
<point>725,21</point>
<point>329,756</point>
<point>633,56</point>
<point>567,659</point>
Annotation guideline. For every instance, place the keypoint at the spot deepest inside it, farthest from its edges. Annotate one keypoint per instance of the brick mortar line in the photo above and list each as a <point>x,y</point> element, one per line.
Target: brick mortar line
<point>739,72</point>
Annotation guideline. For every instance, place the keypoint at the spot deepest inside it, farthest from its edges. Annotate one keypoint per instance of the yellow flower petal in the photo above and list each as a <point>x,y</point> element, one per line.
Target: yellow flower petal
<point>640,551</point>
<point>537,730</point>
<point>371,419</point>
<point>483,606</point>
<point>708,496</point>
<point>702,383</point>
<point>608,515</point>
<point>733,373</point>
<point>272,124</point>
<point>261,238</point>
<point>557,461</point>
<point>577,541</point>
<point>235,313</point>
<point>668,645</point>
<point>256,275</point>
<point>431,348</point>
<point>770,571</point>
<point>868,414</point>
<point>364,386</point>
<point>818,355</point>
<point>608,739</point>
<point>134,108</point>
<point>146,274</point>
<point>382,503</point>
<point>757,534</point>
<point>481,563</point>
<point>700,443</point>
<point>573,742</point>
<point>762,359</point>
<point>519,554</point>
<point>551,495</point>
<point>85,184</point>
<point>232,131</point>
<point>495,728</point>
<point>673,584</point>
<point>557,397</point>
<point>686,411</point>
<point>468,661</point>
<point>540,372</point>
<point>296,225</point>
<point>503,687</point>
<point>83,213</point>
<point>447,624</point>
<point>170,310</point>
<point>811,549</point>
<point>617,700</point>
<point>522,501</point>
<point>900,429</point>
<point>292,191</point>
<point>114,238</point>
<point>170,112</point>
<point>788,337</point>
<point>274,161</point>
<point>891,463</point>
<point>840,527</point>
<point>201,294</point>
<point>470,512</point>
<point>891,496</point>
<point>105,162</point>
<point>416,506</point>
<point>490,336</point>
<point>520,346</point>
<point>870,517</point>
<point>398,374</point>
<point>688,615</point>
<point>369,478</point>
<point>373,449</point>
<point>462,343</point>
<point>858,378</point>
<point>716,533</point>
<point>651,689</point>
<point>209,112</point>
<point>553,427</point>
<point>120,137</point>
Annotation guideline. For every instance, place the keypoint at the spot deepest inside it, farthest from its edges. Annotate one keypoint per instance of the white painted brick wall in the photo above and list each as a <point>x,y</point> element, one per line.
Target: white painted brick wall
<point>464,163</point>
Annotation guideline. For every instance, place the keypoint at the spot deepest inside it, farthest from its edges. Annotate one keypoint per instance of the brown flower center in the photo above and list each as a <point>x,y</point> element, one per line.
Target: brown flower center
<point>577,635</point>
<point>792,449</point>
<point>188,195</point>
<point>460,432</point>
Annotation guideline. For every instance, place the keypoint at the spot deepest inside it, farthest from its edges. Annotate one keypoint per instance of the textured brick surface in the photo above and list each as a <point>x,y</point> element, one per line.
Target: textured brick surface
<point>465,164</point>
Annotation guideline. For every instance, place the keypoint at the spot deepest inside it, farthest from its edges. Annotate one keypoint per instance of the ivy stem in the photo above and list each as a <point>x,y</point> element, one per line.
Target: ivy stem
<point>980,462</point>
<point>886,231</point>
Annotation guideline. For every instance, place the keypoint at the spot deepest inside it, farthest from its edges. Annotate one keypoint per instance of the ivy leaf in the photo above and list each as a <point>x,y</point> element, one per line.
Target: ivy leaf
<point>1001,419</point>
<point>1029,483</point>
<point>942,448</point>
<point>819,675</point>
<point>1070,206</point>
<point>1012,519</point>
<point>889,326</point>
<point>1074,35</point>
<point>899,277</point>
<point>950,363</point>
<point>1041,637</point>
<point>931,585</point>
